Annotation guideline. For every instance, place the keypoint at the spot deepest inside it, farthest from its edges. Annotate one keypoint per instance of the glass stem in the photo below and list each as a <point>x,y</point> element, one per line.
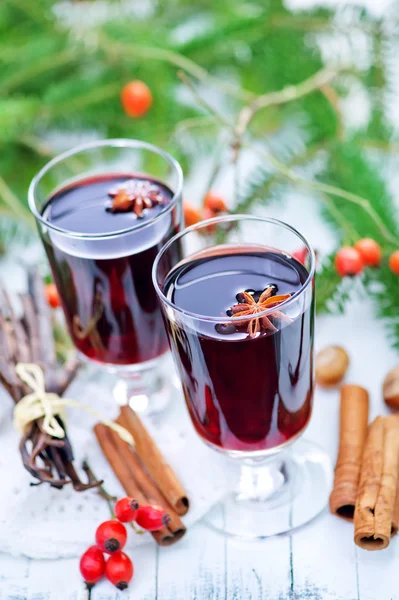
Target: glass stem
<point>147,391</point>
<point>260,480</point>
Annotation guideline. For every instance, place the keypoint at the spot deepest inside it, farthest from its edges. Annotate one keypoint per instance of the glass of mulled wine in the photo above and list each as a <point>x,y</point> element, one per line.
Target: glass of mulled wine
<point>103,212</point>
<point>240,319</point>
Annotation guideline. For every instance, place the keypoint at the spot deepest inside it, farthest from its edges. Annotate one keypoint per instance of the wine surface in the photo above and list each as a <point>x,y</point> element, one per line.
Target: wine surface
<point>110,304</point>
<point>243,393</point>
<point>84,206</point>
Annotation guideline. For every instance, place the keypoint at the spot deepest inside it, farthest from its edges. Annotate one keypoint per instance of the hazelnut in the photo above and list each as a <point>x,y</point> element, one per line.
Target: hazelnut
<point>390,388</point>
<point>331,365</point>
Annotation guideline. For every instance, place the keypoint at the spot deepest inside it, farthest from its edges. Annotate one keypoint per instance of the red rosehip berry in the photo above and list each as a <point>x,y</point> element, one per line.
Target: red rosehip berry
<point>136,98</point>
<point>192,215</point>
<point>151,517</point>
<point>92,566</point>
<point>394,262</point>
<point>207,213</point>
<point>348,261</point>
<point>301,254</point>
<point>370,251</point>
<point>52,295</point>
<point>126,509</point>
<point>215,203</point>
<point>119,570</point>
<point>111,536</point>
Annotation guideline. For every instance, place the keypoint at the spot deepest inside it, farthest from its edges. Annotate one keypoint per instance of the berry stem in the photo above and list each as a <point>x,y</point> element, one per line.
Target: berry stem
<point>138,531</point>
<point>110,500</point>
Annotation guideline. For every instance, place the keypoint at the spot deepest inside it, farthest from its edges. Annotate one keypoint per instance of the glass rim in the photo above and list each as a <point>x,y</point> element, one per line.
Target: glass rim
<point>225,219</point>
<point>116,143</point>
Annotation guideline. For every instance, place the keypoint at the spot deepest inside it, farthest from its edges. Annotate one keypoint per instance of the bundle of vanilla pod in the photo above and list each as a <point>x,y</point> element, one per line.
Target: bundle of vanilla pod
<point>27,336</point>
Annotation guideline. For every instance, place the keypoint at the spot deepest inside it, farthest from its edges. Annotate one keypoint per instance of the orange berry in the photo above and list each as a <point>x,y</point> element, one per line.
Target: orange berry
<point>52,296</point>
<point>191,214</point>
<point>348,261</point>
<point>208,213</point>
<point>215,203</point>
<point>301,254</point>
<point>394,262</point>
<point>136,98</point>
<point>370,251</point>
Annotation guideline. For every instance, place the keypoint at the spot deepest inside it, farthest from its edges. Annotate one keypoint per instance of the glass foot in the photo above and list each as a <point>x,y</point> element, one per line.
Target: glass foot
<point>148,391</point>
<point>275,497</point>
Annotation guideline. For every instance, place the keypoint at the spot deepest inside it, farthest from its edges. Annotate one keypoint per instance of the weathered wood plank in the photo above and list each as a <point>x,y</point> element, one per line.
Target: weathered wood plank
<point>324,561</point>
<point>194,569</point>
<point>378,573</point>
<point>26,579</point>
<point>258,570</point>
<point>324,557</point>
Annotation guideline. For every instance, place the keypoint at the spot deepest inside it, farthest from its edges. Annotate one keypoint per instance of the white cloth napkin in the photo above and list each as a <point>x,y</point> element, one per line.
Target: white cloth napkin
<point>42,522</point>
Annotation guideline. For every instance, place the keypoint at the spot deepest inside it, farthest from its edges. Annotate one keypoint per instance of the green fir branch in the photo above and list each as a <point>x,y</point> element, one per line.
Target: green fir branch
<point>332,291</point>
<point>383,288</point>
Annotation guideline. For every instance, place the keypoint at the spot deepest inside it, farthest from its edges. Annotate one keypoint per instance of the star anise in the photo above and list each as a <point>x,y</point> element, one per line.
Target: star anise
<point>135,195</point>
<point>247,305</point>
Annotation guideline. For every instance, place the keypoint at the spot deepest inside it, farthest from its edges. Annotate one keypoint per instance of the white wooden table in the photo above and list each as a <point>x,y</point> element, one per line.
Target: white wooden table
<point>320,562</point>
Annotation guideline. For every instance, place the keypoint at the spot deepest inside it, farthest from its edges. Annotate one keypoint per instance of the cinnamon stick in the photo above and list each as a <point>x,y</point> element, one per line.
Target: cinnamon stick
<point>137,483</point>
<point>353,431</point>
<point>375,504</point>
<point>147,485</point>
<point>119,467</point>
<point>395,516</point>
<point>154,461</point>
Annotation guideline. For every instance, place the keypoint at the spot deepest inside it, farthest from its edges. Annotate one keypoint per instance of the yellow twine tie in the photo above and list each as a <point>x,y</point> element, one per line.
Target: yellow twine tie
<point>41,404</point>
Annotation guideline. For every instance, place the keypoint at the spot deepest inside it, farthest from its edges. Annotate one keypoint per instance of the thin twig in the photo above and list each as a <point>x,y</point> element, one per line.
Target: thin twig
<point>287,94</point>
<point>310,23</point>
<point>351,234</point>
<point>37,145</point>
<point>43,312</point>
<point>192,123</point>
<point>38,67</point>
<point>31,324</point>
<point>236,174</point>
<point>94,96</point>
<point>333,99</point>
<point>204,103</point>
<point>13,203</point>
<point>380,145</point>
<point>328,189</point>
<point>110,500</point>
<point>175,59</point>
<point>214,174</point>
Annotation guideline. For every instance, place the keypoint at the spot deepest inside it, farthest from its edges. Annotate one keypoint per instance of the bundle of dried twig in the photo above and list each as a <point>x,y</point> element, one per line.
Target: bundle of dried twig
<point>29,339</point>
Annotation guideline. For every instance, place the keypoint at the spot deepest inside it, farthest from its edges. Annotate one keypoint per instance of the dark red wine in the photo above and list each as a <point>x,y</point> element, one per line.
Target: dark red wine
<point>243,393</point>
<point>105,284</point>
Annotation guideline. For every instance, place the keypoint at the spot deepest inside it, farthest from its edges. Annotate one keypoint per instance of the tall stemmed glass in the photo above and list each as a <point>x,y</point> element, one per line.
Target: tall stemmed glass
<point>101,256</point>
<point>240,320</point>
